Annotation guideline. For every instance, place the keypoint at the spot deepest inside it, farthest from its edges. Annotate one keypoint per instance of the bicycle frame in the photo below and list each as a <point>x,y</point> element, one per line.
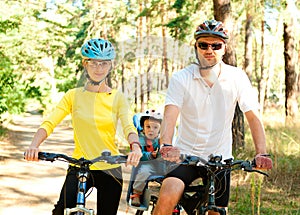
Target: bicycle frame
<point>80,208</point>
<point>207,201</point>
<point>202,198</point>
<point>82,175</point>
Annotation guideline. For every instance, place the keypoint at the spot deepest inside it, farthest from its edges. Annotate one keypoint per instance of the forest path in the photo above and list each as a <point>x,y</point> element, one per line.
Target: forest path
<point>33,187</point>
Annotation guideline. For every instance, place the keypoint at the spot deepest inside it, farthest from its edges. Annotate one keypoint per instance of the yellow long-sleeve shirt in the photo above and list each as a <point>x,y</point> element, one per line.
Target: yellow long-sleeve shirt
<point>94,118</point>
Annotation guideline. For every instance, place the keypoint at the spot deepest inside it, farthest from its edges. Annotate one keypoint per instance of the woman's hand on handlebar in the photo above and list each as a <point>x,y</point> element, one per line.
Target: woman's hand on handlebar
<point>32,154</point>
<point>134,156</point>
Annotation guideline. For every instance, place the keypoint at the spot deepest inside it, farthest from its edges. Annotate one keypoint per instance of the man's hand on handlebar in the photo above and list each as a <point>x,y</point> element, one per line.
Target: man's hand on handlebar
<point>170,153</point>
<point>263,161</point>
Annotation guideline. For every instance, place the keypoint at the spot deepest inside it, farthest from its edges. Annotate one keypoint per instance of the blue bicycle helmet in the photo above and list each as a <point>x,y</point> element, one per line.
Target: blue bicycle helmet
<point>211,28</point>
<point>98,49</point>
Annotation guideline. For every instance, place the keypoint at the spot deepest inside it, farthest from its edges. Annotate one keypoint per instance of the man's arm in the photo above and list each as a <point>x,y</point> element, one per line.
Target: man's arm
<point>168,124</point>
<point>167,151</point>
<point>258,135</point>
<point>257,132</point>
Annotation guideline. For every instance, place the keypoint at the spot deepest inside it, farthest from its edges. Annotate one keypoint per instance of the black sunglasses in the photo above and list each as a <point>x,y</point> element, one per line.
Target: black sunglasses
<point>214,46</point>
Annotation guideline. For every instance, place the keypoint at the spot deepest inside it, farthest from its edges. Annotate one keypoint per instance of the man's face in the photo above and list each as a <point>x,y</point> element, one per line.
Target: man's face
<point>210,50</point>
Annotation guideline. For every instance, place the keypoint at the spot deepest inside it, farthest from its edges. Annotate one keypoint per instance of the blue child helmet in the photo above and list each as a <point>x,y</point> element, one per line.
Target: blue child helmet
<point>98,49</point>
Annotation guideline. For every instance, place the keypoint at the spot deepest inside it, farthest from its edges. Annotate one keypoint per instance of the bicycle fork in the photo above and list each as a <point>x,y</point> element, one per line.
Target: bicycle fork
<point>80,208</point>
<point>211,200</point>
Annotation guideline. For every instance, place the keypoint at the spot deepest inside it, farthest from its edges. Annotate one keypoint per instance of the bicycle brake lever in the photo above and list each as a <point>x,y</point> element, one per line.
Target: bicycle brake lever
<point>261,172</point>
<point>248,167</point>
<point>122,159</point>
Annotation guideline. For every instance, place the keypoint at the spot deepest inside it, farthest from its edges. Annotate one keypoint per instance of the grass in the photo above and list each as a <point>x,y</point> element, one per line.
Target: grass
<point>3,132</point>
<point>280,192</point>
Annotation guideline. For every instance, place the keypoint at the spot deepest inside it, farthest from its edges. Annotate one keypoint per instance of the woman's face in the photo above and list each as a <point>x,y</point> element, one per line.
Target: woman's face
<point>97,69</point>
<point>151,128</point>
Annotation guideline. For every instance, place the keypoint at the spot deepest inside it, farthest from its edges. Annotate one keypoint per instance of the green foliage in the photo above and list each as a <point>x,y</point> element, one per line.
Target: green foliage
<point>27,59</point>
<point>178,26</point>
<point>178,5</point>
<point>67,84</point>
<point>8,25</point>
<point>11,97</point>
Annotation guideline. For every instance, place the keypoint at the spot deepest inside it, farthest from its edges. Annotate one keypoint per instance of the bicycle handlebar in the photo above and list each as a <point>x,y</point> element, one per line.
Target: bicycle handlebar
<point>215,161</point>
<point>105,157</point>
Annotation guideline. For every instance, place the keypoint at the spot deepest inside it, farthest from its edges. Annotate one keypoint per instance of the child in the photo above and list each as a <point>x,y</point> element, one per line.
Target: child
<point>149,139</point>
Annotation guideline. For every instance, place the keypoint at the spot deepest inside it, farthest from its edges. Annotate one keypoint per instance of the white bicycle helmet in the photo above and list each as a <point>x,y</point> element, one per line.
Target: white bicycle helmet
<point>150,114</point>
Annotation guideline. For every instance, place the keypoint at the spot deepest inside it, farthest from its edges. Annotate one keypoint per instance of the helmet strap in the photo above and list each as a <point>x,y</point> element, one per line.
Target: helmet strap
<point>205,68</point>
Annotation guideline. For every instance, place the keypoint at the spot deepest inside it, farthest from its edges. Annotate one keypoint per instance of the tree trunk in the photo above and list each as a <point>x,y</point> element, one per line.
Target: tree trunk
<point>222,13</point>
<point>263,73</point>
<point>291,106</point>
<point>140,54</point>
<point>149,54</point>
<point>248,46</point>
<point>164,39</point>
<point>298,69</point>
<point>135,93</point>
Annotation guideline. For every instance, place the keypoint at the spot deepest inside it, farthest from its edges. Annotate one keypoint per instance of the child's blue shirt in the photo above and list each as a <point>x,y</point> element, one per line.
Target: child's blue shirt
<point>146,149</point>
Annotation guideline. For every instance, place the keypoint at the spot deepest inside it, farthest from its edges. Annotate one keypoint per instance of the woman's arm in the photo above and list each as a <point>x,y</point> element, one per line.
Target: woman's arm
<point>31,154</point>
<point>136,153</point>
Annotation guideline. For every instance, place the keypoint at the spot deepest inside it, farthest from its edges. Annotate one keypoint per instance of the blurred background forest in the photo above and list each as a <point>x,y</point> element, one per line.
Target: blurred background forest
<point>40,60</point>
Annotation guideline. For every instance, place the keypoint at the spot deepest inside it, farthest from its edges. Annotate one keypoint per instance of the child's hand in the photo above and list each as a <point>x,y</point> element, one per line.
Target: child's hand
<point>154,153</point>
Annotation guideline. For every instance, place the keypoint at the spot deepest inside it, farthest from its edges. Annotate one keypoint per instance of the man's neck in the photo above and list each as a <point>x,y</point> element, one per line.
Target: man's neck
<point>211,75</point>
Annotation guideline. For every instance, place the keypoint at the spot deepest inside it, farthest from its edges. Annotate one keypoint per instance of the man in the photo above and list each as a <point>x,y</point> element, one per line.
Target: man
<point>205,95</point>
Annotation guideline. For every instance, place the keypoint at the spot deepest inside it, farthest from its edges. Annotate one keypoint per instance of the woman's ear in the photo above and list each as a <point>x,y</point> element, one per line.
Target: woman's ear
<point>84,62</point>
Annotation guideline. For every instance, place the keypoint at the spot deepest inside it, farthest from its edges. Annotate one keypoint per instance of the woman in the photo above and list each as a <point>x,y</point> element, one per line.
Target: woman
<point>95,110</point>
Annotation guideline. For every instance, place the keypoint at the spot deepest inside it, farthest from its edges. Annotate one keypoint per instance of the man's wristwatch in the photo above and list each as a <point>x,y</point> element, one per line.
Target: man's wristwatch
<point>264,155</point>
<point>166,144</point>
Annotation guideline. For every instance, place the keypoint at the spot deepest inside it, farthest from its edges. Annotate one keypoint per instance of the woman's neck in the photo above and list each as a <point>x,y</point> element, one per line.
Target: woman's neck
<point>102,88</point>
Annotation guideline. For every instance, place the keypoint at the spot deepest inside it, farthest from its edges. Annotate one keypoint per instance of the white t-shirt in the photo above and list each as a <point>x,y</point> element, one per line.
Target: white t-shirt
<point>206,113</point>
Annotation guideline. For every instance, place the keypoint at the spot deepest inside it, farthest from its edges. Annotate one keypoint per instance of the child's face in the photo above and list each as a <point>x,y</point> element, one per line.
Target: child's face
<point>151,128</point>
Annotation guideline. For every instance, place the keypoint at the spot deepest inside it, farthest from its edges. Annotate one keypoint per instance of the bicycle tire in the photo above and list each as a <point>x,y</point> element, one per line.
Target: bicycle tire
<point>152,205</point>
<point>139,212</point>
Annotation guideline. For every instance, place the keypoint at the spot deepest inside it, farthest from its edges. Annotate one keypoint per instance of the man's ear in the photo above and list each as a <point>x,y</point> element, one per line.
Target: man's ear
<point>225,49</point>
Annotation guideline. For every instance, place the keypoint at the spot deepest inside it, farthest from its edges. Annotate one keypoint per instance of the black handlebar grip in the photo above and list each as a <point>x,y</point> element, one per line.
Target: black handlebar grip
<point>46,156</point>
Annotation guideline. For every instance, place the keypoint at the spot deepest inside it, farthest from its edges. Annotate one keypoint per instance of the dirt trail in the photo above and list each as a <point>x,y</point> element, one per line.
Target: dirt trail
<point>33,187</point>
